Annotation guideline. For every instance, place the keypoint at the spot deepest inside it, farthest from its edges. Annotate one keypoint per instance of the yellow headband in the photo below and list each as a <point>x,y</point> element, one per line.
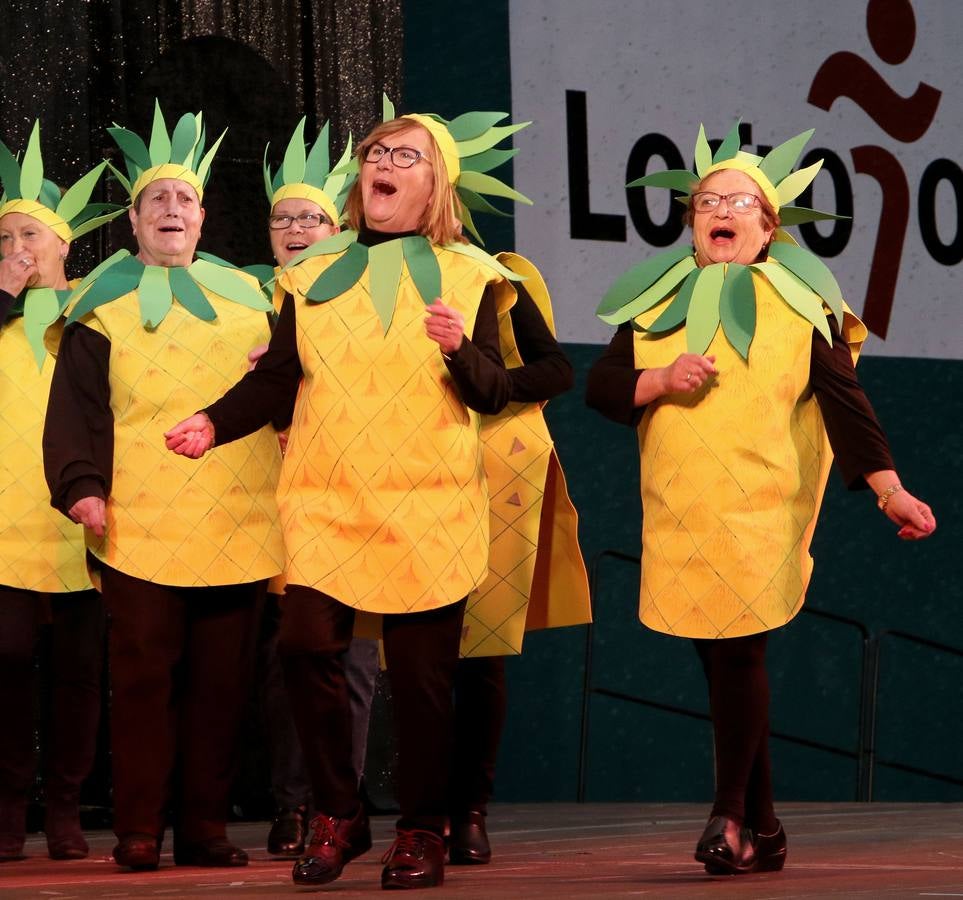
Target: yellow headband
<point>42,214</point>
<point>754,172</point>
<point>167,170</point>
<point>303,191</point>
<point>445,142</point>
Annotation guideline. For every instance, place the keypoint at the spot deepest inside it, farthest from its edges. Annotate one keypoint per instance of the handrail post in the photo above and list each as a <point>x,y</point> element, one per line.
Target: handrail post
<point>869,703</point>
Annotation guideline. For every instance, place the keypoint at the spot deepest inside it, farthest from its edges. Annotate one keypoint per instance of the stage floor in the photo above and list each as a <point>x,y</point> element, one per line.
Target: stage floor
<point>570,850</point>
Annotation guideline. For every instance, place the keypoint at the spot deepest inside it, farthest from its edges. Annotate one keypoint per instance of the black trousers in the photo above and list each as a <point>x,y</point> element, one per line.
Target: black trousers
<point>480,706</point>
<point>421,651</point>
<point>180,668</point>
<point>735,670</point>
<point>290,784</point>
<point>76,622</point>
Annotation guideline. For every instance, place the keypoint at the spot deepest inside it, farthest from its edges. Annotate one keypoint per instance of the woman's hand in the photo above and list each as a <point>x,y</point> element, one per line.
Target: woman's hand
<point>16,270</point>
<point>255,355</point>
<point>192,438</point>
<point>91,512</point>
<point>915,518</point>
<point>688,373</point>
<point>685,376</point>
<point>445,326</point>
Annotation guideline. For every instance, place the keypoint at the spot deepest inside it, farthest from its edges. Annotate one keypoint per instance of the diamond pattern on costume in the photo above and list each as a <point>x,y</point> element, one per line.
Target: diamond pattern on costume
<point>381,495</point>
<point>732,479</point>
<point>40,549</point>
<point>173,520</point>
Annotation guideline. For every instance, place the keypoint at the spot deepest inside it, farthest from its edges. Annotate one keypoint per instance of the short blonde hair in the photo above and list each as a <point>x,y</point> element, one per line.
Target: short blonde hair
<point>440,223</point>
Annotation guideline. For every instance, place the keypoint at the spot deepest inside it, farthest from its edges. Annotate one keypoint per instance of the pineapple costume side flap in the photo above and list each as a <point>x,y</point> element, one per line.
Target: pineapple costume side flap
<point>40,549</point>
<point>732,479</point>
<point>537,578</point>
<point>171,520</point>
<point>382,494</point>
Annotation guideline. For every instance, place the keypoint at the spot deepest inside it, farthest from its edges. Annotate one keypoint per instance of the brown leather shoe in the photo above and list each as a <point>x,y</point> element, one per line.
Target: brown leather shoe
<point>288,832</point>
<point>771,850</point>
<point>415,860</point>
<point>214,853</point>
<point>726,848</point>
<point>334,843</point>
<point>140,852</point>
<point>468,841</point>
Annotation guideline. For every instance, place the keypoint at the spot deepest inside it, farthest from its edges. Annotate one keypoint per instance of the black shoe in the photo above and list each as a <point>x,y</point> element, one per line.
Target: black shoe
<point>771,850</point>
<point>287,832</point>
<point>13,827</point>
<point>214,853</point>
<point>65,840</point>
<point>334,843</point>
<point>415,860</point>
<point>468,841</point>
<point>11,847</point>
<point>140,852</point>
<point>726,848</point>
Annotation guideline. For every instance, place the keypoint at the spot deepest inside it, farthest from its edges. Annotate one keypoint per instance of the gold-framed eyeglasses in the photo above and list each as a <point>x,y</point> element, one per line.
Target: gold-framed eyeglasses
<point>402,157</point>
<point>305,220</point>
<point>740,202</point>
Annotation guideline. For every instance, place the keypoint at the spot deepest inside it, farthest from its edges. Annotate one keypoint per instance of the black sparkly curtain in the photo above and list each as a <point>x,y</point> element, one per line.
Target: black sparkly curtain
<point>254,66</point>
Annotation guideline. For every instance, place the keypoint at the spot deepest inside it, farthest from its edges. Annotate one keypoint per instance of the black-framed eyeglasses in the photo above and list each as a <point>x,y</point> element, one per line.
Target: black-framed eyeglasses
<point>402,157</point>
<point>740,202</point>
<point>305,220</point>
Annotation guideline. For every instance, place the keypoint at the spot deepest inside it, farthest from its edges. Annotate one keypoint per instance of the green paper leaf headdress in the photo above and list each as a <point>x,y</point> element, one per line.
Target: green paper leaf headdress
<point>179,154</point>
<point>772,172</point>
<point>467,145</point>
<point>307,175</point>
<point>25,190</point>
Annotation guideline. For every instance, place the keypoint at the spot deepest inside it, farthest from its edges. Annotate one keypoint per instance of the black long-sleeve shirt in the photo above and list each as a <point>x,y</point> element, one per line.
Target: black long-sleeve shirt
<point>855,435</point>
<point>268,392</point>
<point>6,304</point>
<point>546,371</point>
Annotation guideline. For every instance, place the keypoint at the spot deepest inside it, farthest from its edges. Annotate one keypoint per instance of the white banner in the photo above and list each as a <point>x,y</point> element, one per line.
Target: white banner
<point>617,88</point>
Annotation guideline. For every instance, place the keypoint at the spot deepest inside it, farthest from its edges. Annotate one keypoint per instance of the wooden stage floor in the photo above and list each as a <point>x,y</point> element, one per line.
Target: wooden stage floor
<point>569,850</point>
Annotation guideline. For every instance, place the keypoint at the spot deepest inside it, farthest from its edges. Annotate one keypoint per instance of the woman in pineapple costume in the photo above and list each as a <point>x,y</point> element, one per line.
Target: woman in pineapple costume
<point>43,578</point>
<point>306,203</point>
<point>183,552</point>
<point>737,429</point>
<point>382,495</point>
<point>537,578</point>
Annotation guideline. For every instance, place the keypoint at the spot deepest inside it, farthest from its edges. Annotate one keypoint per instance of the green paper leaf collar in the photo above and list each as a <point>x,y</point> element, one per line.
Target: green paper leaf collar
<point>158,286</point>
<point>722,293</point>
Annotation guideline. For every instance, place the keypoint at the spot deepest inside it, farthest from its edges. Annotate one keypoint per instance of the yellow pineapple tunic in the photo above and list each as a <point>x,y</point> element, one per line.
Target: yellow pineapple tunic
<point>382,494</point>
<point>732,480</point>
<point>172,520</point>
<point>536,576</point>
<point>40,550</point>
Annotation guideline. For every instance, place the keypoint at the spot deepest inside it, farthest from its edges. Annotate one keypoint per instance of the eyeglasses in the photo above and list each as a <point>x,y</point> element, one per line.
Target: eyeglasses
<point>402,157</point>
<point>708,201</point>
<point>305,220</point>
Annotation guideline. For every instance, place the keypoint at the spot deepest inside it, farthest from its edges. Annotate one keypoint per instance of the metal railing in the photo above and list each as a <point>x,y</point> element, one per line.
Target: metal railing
<point>864,753</point>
